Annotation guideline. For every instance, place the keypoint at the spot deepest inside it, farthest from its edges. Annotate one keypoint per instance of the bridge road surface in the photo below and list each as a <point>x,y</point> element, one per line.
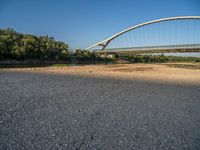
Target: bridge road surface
<point>51,111</point>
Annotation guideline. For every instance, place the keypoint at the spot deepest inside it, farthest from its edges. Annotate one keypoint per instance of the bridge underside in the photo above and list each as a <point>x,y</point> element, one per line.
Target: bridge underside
<point>154,49</point>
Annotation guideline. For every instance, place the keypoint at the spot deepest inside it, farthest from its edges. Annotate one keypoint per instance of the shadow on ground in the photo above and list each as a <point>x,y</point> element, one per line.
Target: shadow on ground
<point>50,111</point>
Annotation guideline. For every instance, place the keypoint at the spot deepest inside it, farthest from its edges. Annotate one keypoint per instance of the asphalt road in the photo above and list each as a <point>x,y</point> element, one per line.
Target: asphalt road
<point>49,111</point>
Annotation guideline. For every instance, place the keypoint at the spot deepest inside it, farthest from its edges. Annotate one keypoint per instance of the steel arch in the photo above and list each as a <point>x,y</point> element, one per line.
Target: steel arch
<point>105,42</point>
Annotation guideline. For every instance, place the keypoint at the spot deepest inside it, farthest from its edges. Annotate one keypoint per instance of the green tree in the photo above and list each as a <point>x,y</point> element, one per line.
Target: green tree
<point>18,46</point>
<point>31,47</point>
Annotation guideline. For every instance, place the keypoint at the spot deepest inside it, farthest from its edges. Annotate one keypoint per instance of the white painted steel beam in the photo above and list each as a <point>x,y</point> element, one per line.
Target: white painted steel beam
<point>105,42</point>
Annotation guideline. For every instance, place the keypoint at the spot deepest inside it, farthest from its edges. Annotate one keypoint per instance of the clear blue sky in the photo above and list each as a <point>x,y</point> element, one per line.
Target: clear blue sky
<point>81,23</point>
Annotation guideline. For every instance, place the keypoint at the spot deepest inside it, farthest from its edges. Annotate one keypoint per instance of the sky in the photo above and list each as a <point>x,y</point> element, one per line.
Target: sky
<point>81,23</point>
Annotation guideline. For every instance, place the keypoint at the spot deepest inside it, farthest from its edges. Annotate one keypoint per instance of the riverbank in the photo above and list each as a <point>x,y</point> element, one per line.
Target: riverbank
<point>170,72</point>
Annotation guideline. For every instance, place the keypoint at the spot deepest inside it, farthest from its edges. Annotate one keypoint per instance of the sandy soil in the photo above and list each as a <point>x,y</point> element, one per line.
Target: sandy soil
<point>188,73</point>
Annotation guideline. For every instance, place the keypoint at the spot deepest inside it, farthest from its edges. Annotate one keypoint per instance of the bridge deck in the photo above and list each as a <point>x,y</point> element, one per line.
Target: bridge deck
<point>155,49</point>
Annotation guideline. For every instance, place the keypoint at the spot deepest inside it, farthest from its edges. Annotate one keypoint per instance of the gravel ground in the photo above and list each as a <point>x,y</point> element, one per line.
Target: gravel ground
<point>59,111</point>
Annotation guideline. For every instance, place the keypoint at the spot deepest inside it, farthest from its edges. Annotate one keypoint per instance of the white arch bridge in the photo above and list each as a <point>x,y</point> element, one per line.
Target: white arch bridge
<point>174,34</point>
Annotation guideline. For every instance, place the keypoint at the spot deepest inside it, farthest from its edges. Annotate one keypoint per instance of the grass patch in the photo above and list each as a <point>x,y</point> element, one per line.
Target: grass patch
<point>193,66</point>
<point>61,65</point>
<point>158,58</point>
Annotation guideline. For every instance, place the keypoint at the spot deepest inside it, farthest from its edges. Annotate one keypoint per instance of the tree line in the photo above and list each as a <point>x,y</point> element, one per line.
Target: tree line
<point>17,46</point>
<point>23,47</point>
